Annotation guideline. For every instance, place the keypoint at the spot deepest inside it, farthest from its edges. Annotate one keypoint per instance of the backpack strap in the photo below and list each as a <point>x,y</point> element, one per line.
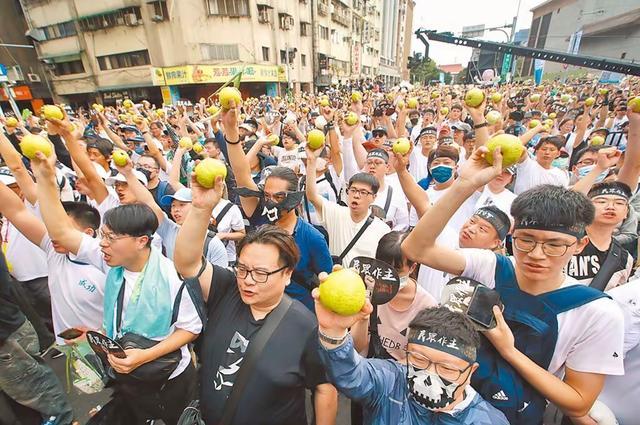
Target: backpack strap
<point>162,190</point>
<point>613,261</point>
<point>195,292</point>
<point>387,203</point>
<point>570,297</point>
<point>505,275</point>
<point>327,176</point>
<point>210,235</point>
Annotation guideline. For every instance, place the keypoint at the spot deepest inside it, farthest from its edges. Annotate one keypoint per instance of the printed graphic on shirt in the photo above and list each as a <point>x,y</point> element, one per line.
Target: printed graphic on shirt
<point>585,266</point>
<point>235,353</point>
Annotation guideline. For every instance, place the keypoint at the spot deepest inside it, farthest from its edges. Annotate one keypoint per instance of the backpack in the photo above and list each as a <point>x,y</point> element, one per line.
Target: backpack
<point>210,235</point>
<point>534,323</point>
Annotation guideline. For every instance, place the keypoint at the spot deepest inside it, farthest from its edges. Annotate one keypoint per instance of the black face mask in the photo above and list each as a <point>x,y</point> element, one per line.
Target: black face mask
<point>414,121</point>
<point>274,211</point>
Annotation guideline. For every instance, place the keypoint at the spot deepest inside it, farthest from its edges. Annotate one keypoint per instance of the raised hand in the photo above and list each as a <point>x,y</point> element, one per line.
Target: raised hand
<point>204,198</point>
<point>477,171</point>
<point>229,121</point>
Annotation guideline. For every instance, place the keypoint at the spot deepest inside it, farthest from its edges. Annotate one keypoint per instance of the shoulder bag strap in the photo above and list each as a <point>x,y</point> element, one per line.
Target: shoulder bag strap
<point>195,292</point>
<point>612,261</point>
<point>355,238</point>
<point>256,345</point>
<point>327,176</point>
<point>388,201</point>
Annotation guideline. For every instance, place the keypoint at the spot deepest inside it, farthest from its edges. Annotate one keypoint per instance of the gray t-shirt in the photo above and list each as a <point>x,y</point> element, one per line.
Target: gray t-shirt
<point>168,231</point>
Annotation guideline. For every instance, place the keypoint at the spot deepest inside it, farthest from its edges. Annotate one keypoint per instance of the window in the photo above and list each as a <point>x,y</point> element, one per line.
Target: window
<point>128,16</point>
<point>286,21</point>
<point>263,14</point>
<point>324,32</point>
<point>124,60</point>
<point>265,54</point>
<point>218,52</point>
<point>159,11</point>
<point>67,68</point>
<point>228,7</point>
<point>304,29</point>
<point>303,60</point>
<point>61,30</point>
<point>283,56</point>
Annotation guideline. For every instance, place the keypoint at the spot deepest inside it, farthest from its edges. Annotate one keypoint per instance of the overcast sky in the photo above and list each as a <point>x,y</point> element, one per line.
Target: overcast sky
<point>452,15</point>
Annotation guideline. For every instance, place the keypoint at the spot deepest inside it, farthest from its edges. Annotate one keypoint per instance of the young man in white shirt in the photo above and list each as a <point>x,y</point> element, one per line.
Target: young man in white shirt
<point>532,173</point>
<point>549,229</point>
<point>392,203</point>
<point>76,288</point>
<point>137,271</point>
<point>343,223</point>
<point>419,160</point>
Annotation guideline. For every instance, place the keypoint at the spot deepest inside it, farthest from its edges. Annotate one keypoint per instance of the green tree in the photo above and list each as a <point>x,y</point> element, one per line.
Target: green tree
<point>422,70</point>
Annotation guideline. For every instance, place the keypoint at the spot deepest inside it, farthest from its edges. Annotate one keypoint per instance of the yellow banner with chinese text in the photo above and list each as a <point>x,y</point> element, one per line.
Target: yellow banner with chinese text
<point>202,74</point>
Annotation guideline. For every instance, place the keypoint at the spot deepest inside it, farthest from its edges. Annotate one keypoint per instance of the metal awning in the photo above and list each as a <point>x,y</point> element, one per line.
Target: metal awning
<point>612,23</point>
<point>103,12</point>
<point>62,57</point>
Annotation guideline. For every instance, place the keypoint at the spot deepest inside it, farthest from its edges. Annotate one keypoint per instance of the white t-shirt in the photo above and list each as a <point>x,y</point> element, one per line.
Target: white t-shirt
<point>502,200</point>
<point>231,222</point>
<point>397,213</point>
<point>418,164</point>
<point>341,229</point>
<point>466,210</point>
<point>531,174</point>
<point>324,189</point>
<point>188,318</point>
<point>590,337</point>
<point>433,280</point>
<point>621,393</point>
<point>77,291</point>
<point>26,260</point>
<point>290,159</point>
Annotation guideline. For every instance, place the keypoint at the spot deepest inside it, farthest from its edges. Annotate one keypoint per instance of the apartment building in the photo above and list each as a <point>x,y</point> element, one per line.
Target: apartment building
<point>164,50</point>
<point>605,28</point>
<point>397,24</point>
<point>26,74</point>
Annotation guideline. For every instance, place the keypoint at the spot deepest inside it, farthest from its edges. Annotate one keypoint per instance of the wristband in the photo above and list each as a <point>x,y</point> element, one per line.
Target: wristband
<point>228,142</point>
<point>331,340</point>
<point>484,124</point>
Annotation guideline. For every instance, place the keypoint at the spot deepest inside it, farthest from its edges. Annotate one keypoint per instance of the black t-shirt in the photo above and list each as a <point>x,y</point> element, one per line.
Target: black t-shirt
<point>11,317</point>
<point>289,363</point>
<point>584,266</point>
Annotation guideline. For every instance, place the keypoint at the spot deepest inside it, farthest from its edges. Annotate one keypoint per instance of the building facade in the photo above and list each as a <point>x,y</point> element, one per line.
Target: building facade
<point>164,50</point>
<point>26,74</point>
<point>604,28</point>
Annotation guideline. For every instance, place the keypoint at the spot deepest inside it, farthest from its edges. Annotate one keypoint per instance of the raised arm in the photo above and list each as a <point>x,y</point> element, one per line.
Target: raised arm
<point>630,170</point>
<point>414,193</point>
<point>187,255</point>
<point>310,182</point>
<point>526,137</point>
<point>359,152</point>
<point>14,210</point>
<point>582,122</point>
<point>117,140</point>
<point>607,158</point>
<point>421,245</point>
<point>13,159</point>
<point>336,151</point>
<point>239,163</point>
<point>174,173</point>
<point>59,225</point>
<point>141,193</point>
<point>477,115</point>
<point>153,148</point>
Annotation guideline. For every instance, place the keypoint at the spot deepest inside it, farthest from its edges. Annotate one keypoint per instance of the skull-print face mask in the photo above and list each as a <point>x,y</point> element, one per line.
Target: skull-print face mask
<point>429,390</point>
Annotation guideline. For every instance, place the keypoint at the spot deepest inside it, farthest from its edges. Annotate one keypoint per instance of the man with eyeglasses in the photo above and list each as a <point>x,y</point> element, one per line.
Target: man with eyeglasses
<point>549,229</point>
<point>344,223</point>
<point>134,271</point>
<point>150,167</point>
<point>432,384</point>
<point>392,202</point>
<point>238,305</point>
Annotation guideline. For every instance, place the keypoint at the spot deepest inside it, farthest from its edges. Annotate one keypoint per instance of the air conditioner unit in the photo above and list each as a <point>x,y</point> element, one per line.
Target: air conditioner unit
<point>34,78</point>
<point>131,19</point>
<point>15,73</point>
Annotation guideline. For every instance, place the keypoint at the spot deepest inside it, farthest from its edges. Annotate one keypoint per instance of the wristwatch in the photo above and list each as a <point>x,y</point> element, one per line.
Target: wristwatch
<point>484,124</point>
<point>332,340</point>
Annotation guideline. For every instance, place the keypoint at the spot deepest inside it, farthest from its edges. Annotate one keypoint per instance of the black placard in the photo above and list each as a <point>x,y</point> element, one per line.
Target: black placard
<point>103,345</point>
<point>381,279</point>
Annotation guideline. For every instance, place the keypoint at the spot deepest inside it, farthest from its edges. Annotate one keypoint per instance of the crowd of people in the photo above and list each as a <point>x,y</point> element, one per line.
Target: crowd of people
<point>212,292</point>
